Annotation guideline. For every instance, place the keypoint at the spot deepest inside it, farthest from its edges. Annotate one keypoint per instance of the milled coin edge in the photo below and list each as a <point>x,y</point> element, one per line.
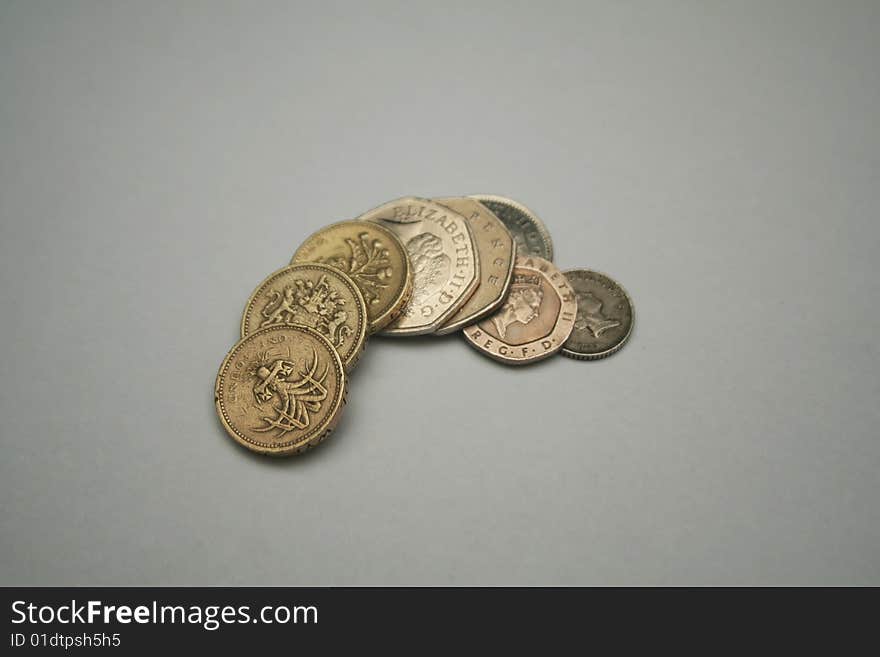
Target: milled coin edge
<point>576,355</point>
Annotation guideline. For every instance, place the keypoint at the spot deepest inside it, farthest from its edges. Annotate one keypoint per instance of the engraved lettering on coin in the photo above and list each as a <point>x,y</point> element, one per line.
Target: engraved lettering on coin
<point>536,320</point>
<point>444,260</point>
<point>605,316</point>
<point>497,252</point>
<point>530,233</point>
<point>280,390</point>
<point>314,295</point>
<point>373,257</point>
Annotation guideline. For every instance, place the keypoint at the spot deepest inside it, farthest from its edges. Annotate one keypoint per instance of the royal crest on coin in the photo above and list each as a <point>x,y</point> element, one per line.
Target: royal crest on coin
<point>367,263</point>
<point>292,393</point>
<point>315,305</point>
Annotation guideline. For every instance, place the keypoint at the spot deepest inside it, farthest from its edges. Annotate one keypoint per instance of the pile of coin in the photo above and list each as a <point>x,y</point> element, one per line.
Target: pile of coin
<point>482,265</point>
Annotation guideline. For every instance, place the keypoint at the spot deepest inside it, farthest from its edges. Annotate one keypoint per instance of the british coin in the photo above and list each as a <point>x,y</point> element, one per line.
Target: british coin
<point>314,295</point>
<point>373,257</point>
<point>605,316</point>
<point>530,233</point>
<point>536,319</point>
<point>280,390</point>
<point>444,260</point>
<point>496,252</point>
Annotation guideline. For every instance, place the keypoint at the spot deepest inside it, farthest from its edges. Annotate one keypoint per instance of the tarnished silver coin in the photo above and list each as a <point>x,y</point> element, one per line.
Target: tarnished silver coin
<point>529,232</point>
<point>605,315</point>
<point>445,263</point>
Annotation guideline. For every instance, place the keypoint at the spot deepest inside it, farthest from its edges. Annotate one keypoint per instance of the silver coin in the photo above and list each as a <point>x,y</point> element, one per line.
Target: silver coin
<point>605,316</point>
<point>529,232</point>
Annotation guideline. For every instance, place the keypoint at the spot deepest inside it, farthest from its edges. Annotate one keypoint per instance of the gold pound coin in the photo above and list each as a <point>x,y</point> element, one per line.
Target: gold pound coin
<point>496,252</point>
<point>373,257</point>
<point>317,296</point>
<point>605,316</point>
<point>280,390</point>
<point>444,261</point>
<point>536,319</point>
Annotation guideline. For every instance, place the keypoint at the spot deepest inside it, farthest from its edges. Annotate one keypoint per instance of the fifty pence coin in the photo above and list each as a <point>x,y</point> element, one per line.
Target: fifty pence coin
<point>496,251</point>
<point>536,319</point>
<point>313,295</point>
<point>373,257</point>
<point>444,261</point>
<point>280,390</point>
<point>530,233</point>
<point>605,316</point>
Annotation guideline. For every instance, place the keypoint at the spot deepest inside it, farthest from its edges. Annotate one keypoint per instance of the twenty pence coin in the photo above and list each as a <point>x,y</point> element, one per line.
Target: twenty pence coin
<point>534,322</point>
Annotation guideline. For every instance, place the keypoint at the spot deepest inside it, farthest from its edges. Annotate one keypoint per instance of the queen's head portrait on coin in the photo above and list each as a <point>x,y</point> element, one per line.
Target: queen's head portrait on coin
<point>535,320</point>
<point>605,316</point>
<point>445,262</point>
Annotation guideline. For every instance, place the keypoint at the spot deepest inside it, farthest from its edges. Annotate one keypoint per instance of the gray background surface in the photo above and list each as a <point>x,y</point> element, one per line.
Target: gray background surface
<point>157,160</point>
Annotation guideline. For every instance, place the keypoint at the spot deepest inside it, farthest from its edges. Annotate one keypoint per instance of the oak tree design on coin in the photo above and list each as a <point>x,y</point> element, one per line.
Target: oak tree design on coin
<point>604,319</point>
<point>373,257</point>
<point>496,251</point>
<point>444,261</point>
<point>536,319</point>
<point>530,233</point>
<point>280,390</point>
<point>313,295</point>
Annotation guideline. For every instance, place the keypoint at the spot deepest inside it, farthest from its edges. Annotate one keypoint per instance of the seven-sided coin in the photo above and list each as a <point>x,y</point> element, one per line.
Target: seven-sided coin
<point>444,260</point>
<point>496,251</point>
<point>536,319</point>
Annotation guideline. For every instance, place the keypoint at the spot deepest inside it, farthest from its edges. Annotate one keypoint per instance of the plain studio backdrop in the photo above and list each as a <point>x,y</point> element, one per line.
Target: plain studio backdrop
<point>720,159</point>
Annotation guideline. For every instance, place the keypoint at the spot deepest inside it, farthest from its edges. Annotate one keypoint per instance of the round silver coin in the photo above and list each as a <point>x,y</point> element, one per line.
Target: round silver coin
<point>529,232</point>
